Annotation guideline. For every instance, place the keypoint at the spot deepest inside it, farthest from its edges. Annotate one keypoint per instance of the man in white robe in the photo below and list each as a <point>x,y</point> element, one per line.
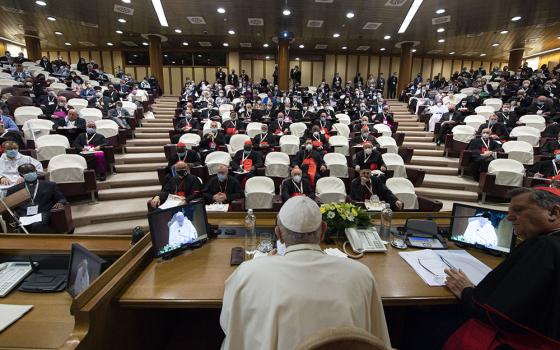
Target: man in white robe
<point>277,302</point>
<point>481,231</point>
<point>181,231</point>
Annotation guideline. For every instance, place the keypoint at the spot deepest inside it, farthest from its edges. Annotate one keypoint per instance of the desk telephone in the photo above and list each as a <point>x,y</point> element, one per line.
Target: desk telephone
<point>365,240</point>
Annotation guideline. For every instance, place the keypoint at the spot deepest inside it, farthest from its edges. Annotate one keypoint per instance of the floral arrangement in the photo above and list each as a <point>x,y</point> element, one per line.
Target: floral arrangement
<point>340,216</point>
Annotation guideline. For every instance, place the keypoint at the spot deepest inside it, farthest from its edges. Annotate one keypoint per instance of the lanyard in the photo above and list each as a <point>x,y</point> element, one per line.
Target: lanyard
<point>366,158</point>
<point>89,140</point>
<point>553,164</point>
<point>223,190</point>
<point>34,193</point>
<point>369,188</point>
<point>298,188</point>
<point>244,158</point>
<point>487,145</point>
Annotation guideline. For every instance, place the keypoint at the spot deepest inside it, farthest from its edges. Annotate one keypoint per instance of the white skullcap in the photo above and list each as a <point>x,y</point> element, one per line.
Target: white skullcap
<point>300,214</point>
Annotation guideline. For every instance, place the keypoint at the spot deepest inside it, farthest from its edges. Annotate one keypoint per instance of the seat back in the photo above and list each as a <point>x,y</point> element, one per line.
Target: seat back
<point>475,121</point>
<point>78,103</point>
<point>312,89</point>
<point>58,87</point>
<point>383,129</point>
<point>216,158</point>
<point>456,98</point>
<point>277,164</point>
<point>337,164</point>
<point>467,91</point>
<point>527,133</point>
<point>25,113</point>
<point>253,129</point>
<point>35,128</point>
<point>90,114</point>
<point>206,127</point>
<point>289,144</point>
<point>107,127</point>
<point>6,76</point>
<point>130,107</point>
<point>340,144</point>
<point>508,172</point>
<point>259,193</point>
<point>343,337</point>
<point>495,103</point>
<point>342,129</point>
<point>7,82</point>
<point>48,146</point>
<point>395,163</point>
<point>534,120</point>
<point>190,139</point>
<point>519,150</point>
<point>236,143</point>
<point>389,143</point>
<point>67,168</point>
<point>463,133</point>
<point>404,190</point>
<point>343,118</point>
<point>485,111</point>
<point>298,129</point>
<point>330,190</point>
<point>225,107</point>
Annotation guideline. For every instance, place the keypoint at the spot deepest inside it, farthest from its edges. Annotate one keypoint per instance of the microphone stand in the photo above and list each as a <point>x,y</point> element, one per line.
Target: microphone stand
<point>14,216</point>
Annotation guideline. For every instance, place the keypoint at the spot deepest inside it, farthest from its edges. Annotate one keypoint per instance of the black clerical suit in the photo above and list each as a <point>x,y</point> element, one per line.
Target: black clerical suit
<point>303,157</point>
<point>497,129</point>
<point>47,196</point>
<point>291,189</point>
<point>190,156</point>
<point>47,104</point>
<point>549,147</point>
<point>358,139</point>
<point>446,128</point>
<point>266,139</point>
<point>392,86</point>
<point>477,147</point>
<point>211,141</point>
<point>509,119</point>
<point>372,162</point>
<point>230,187</point>
<point>84,139</point>
<point>248,162</point>
<point>194,124</point>
<point>361,193</point>
<point>546,168</point>
<point>188,186</point>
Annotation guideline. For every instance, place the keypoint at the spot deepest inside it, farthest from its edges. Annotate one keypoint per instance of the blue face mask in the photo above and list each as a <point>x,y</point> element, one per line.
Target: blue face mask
<point>12,153</point>
<point>30,177</point>
<point>90,131</point>
<point>222,177</point>
<point>557,157</point>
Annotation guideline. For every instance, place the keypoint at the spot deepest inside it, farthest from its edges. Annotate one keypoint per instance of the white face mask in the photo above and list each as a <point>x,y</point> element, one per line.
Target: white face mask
<point>297,178</point>
<point>368,151</point>
<point>308,147</point>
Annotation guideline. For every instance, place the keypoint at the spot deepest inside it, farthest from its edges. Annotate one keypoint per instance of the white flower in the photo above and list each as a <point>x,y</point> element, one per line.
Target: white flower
<point>350,218</point>
<point>330,215</point>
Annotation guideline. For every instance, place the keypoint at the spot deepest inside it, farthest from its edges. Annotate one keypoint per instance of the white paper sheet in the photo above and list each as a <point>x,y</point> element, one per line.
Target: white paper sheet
<point>28,220</point>
<point>217,207</point>
<point>11,313</point>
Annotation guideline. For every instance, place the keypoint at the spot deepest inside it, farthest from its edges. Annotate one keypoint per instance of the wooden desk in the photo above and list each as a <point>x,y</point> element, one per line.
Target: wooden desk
<point>196,279</point>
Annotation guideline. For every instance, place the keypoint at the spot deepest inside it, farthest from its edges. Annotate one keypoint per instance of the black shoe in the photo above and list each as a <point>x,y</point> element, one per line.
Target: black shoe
<point>102,177</point>
<point>438,143</point>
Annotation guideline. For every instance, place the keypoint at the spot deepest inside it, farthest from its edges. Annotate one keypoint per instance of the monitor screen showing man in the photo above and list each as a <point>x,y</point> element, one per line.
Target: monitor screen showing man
<point>482,227</point>
<point>178,227</point>
<point>84,268</point>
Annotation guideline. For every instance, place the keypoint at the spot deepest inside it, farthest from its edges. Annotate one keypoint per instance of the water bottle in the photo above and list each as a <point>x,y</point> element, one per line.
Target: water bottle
<point>386,219</point>
<point>250,234</point>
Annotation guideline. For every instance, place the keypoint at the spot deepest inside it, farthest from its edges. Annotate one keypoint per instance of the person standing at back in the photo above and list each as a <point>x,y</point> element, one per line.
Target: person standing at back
<point>277,302</point>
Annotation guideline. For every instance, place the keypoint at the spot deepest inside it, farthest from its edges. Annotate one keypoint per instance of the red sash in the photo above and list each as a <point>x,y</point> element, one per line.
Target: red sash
<point>373,166</point>
<point>317,143</point>
<point>231,131</point>
<point>181,193</point>
<point>327,135</point>
<point>246,164</point>
<point>312,170</point>
<point>484,149</point>
<point>212,145</point>
<point>297,194</point>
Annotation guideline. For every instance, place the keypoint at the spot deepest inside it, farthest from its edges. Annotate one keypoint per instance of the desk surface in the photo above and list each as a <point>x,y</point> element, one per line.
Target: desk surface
<point>196,279</point>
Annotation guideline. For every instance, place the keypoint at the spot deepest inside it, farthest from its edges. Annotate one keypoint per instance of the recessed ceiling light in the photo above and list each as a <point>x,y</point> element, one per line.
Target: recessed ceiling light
<point>198,56</point>
<point>441,41</point>
<point>225,44</point>
<point>297,58</point>
<point>41,3</point>
<point>350,15</point>
<point>301,46</point>
<point>67,44</point>
<point>482,54</point>
<point>441,30</point>
<point>109,44</point>
<point>496,44</point>
<point>452,53</point>
<point>516,18</point>
<point>387,37</point>
<point>265,45</point>
<point>413,50</point>
<point>164,55</point>
<point>178,31</point>
<point>267,57</point>
<point>335,35</point>
<point>382,49</point>
<point>51,18</point>
<point>185,43</point>
<point>440,11</point>
<point>344,47</point>
<point>58,33</point>
<point>126,1</point>
<point>410,15</point>
<point>158,7</point>
<point>231,32</point>
<point>145,43</point>
<point>221,10</point>
<point>118,31</point>
<point>122,20</point>
<point>558,37</point>
<point>504,32</point>
<point>286,12</point>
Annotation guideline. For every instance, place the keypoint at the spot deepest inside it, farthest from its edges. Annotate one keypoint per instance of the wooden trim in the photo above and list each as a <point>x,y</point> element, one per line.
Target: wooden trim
<point>346,70</point>
<point>368,68</point>
<point>311,75</point>
<point>379,66</point>
<point>170,84</point>
<point>324,67</point>
<point>182,79</point>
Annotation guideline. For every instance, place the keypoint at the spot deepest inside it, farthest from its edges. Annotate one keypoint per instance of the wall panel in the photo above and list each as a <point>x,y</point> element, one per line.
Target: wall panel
<point>188,74</point>
<point>468,64</point>
<point>95,56</point>
<point>117,60</point>
<point>130,70</point>
<point>233,61</point>
<point>427,68</point>
<point>141,72</point>
<point>45,53</point>
<point>258,68</point>
<point>447,69</point>
<point>351,67</point>
<point>84,54</point>
<point>306,72</point>
<point>373,66</point>
<point>107,61</point>
<point>199,74</point>
<point>395,65</point>
<point>329,68</point>
<point>317,72</point>
<point>437,66</point>
<point>416,67</point>
<point>488,66</point>
<point>210,73</point>
<point>341,67</point>
<point>363,62</point>
<point>269,70</point>
<point>246,65</point>
<point>456,66</point>
<point>175,81</point>
<point>52,55</point>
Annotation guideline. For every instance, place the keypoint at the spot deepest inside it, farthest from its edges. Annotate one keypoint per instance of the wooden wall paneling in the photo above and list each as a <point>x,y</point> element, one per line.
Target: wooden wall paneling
<point>395,63</point>
<point>84,54</point>
<point>341,68</point>
<point>211,74</point>
<point>46,53</point>
<point>107,62</point>
<point>385,68</point>
<point>199,74</point>
<point>488,66</point>
<point>130,70</point>
<point>176,81</point>
<point>416,67</point>
<point>246,64</point>
<point>186,73</point>
<point>363,63</point>
<point>456,67</point>
<point>447,69</point>
<point>427,68</point>
<point>52,55</point>
<point>117,60</point>
<point>63,54</point>
<point>75,56</point>
<point>269,70</point>
<point>96,56</point>
<point>351,67</point>
<point>468,64</point>
<point>329,68</point>
<point>318,72</point>
<point>306,72</point>
<point>233,61</point>
<point>373,66</point>
<point>437,66</point>
<point>258,69</point>
<point>141,72</point>
<point>149,70</point>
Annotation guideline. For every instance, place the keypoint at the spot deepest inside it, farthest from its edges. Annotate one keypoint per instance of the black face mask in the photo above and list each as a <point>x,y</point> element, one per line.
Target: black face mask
<point>182,173</point>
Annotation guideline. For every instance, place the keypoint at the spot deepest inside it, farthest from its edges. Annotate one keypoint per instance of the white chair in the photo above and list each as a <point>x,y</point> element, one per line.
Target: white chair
<point>456,98</point>
<point>534,120</point>
<point>330,190</point>
<point>7,76</point>
<point>189,139</point>
<point>389,143</point>
<point>115,80</point>
<point>58,87</point>
<point>495,103</point>
<point>342,129</point>
<point>214,159</point>
<point>35,128</point>
<point>253,129</point>
<point>519,150</point>
<point>235,101</point>
<point>106,127</point>
<point>467,91</point>
<point>35,73</point>
<point>343,118</point>
<point>337,164</point>
<point>474,121</point>
<point>509,172</point>
<point>90,114</point>
<point>226,115</point>
<point>236,142</point>
<point>404,190</point>
<point>25,113</point>
<point>78,103</point>
<point>130,107</point>
<point>494,84</point>
<point>228,87</point>
<point>312,89</point>
<point>383,129</point>
<point>206,127</point>
<point>225,107</point>
<point>259,193</point>
<point>48,146</point>
<point>277,164</point>
<point>94,83</point>
<point>340,144</point>
<point>67,168</point>
<point>7,83</point>
<point>289,144</point>
<point>298,129</point>
<point>262,95</point>
<point>463,133</point>
<point>485,111</point>
<point>109,76</point>
<point>527,133</point>
<point>394,162</point>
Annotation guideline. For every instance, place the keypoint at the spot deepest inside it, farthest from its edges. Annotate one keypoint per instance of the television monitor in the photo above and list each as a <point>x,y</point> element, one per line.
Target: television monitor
<point>178,228</point>
<point>488,229</point>
<point>84,268</point>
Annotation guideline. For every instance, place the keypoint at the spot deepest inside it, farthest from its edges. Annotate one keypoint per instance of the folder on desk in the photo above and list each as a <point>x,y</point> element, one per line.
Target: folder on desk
<point>11,313</point>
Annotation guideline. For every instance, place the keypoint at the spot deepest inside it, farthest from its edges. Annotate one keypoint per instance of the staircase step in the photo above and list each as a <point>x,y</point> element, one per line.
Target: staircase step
<point>450,181</point>
<point>430,169</point>
<point>150,130</point>
<point>109,211</point>
<point>154,135</point>
<point>113,228</point>
<point>456,195</point>
<point>148,142</point>
<point>147,178</point>
<point>128,192</point>
<point>411,128</point>
<point>428,152</point>
<point>435,161</point>
<point>418,133</point>
<point>422,145</point>
<point>418,138</point>
<point>133,158</point>
<point>129,168</point>
<point>142,149</point>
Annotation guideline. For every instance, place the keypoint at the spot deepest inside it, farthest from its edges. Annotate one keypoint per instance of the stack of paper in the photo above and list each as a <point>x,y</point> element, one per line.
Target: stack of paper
<point>217,207</point>
<point>11,313</point>
<point>430,265</point>
<point>335,252</point>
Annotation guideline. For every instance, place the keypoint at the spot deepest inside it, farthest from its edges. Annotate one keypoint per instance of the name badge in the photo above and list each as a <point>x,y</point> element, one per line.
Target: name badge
<point>51,103</point>
<point>32,210</point>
